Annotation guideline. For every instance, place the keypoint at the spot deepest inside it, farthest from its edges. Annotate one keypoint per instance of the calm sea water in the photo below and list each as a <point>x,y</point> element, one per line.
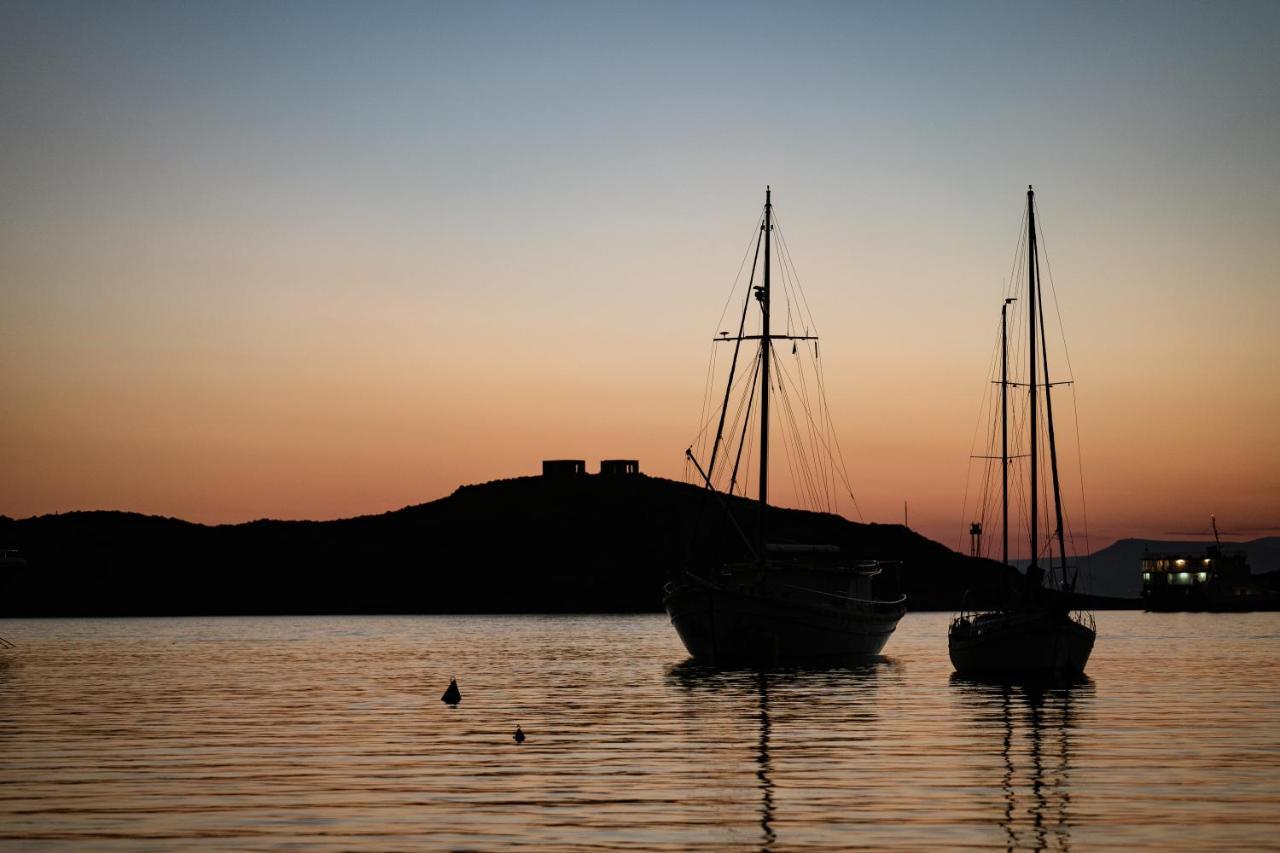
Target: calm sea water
<point>267,733</point>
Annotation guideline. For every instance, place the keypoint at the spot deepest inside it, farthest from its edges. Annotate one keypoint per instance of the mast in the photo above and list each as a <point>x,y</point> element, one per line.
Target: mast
<point>1031,379</point>
<point>1004,425</point>
<point>1053,444</point>
<point>762,294</point>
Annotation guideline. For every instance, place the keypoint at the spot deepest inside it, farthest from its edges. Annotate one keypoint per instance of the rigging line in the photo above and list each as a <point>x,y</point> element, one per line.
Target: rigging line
<point>807,450</point>
<point>705,428</point>
<point>1062,332</point>
<point>793,286</point>
<point>733,365</point>
<point>745,391</point>
<point>830,429</point>
<point>843,468</point>
<point>804,300</point>
<point>738,275</point>
<point>786,290</point>
<point>809,415</point>
<point>750,435</point>
<point>1019,248</point>
<point>745,400</point>
<point>828,426</point>
<point>742,441</point>
<point>1023,486</point>
<point>703,418</point>
<point>1021,408</point>
<point>1059,522</point>
<point>809,458</point>
<point>804,400</point>
<point>795,318</point>
<point>985,498</point>
<point>782,272</point>
<point>785,416</point>
<point>787,449</point>
<point>1084,507</point>
<point>800,387</point>
<point>830,435</point>
<point>785,375</point>
<point>1075,409</point>
<point>739,414</point>
<point>984,407</point>
<point>790,441</point>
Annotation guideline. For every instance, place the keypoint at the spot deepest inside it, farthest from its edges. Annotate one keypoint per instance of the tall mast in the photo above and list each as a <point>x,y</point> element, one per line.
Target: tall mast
<point>1004,425</point>
<point>1032,284</point>
<point>762,293</point>
<point>1053,445</point>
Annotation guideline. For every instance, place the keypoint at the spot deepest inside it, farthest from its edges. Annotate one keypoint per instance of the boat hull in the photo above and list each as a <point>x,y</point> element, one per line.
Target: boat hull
<point>719,625</point>
<point>1005,645</point>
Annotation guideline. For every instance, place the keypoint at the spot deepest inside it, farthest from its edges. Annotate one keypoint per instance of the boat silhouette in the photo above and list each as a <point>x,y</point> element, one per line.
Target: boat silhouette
<point>1038,632</point>
<point>776,601</point>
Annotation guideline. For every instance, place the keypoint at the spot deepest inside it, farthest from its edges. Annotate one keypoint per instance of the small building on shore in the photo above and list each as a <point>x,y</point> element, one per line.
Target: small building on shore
<point>578,467</point>
<point>563,467</point>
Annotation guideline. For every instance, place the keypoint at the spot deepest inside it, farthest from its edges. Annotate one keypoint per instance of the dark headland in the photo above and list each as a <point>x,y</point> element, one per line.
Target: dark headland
<point>586,543</point>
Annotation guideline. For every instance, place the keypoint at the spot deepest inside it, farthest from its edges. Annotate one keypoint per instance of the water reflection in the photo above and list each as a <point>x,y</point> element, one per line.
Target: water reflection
<point>8,728</point>
<point>801,696</point>
<point>763,774</point>
<point>1033,725</point>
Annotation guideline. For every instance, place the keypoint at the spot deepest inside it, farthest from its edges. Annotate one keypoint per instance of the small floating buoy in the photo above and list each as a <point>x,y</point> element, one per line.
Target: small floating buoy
<point>452,696</point>
<point>518,737</point>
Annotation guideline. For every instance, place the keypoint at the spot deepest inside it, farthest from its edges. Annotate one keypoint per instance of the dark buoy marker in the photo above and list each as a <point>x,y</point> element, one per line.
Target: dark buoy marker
<point>452,696</point>
<point>518,737</point>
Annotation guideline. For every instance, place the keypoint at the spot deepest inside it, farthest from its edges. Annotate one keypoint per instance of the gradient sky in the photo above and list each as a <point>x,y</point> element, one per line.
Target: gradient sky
<point>307,260</point>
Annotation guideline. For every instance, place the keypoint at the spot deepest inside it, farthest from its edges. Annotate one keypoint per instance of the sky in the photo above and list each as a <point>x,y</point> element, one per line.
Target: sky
<point>313,260</point>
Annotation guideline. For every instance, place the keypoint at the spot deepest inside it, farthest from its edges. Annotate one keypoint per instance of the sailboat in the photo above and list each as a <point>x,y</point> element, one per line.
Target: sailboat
<point>776,601</point>
<point>1037,633</point>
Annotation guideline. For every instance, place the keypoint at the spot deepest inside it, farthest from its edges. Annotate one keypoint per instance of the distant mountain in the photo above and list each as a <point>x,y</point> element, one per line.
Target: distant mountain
<point>1117,569</point>
<point>576,543</point>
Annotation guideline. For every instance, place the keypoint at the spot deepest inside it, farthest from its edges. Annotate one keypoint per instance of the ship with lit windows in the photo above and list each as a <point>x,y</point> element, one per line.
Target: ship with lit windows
<point>1213,580</point>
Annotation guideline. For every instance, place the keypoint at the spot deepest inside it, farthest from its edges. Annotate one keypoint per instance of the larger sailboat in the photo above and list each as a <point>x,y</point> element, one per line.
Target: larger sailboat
<point>777,600</point>
<point>1037,633</point>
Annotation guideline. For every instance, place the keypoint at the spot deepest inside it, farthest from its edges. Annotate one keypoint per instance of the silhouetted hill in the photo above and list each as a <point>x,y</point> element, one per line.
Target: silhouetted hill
<point>532,544</point>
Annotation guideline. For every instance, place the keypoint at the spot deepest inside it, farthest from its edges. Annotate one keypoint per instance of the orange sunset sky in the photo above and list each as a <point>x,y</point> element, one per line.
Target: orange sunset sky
<point>312,260</point>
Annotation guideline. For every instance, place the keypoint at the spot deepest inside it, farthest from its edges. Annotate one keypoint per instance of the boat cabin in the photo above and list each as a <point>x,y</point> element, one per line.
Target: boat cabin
<point>1188,577</point>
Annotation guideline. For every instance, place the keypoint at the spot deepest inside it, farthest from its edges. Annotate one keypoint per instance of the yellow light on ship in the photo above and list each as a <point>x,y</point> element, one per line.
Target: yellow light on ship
<point>1179,563</point>
<point>1202,576</point>
<point>1207,561</point>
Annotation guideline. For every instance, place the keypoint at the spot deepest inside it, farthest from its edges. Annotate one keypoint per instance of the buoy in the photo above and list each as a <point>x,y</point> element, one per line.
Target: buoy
<point>518,736</point>
<point>452,696</point>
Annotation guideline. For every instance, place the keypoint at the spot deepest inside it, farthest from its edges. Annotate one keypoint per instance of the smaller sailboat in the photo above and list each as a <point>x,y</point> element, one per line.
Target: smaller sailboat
<point>777,600</point>
<point>1037,633</point>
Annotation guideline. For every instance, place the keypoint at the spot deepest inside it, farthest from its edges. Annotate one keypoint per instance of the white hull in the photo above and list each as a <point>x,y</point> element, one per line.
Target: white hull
<point>1037,643</point>
<point>719,625</point>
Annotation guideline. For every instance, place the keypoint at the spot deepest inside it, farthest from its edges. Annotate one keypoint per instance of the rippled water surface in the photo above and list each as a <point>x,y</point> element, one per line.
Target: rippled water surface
<point>329,733</point>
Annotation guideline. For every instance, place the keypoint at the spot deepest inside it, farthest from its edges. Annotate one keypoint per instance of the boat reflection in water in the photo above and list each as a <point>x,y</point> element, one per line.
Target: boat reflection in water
<point>798,723</point>
<point>1032,727</point>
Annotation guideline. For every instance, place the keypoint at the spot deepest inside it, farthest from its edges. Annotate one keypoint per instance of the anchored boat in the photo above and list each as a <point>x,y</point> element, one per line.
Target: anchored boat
<point>1213,580</point>
<point>1038,633</point>
<point>779,601</point>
